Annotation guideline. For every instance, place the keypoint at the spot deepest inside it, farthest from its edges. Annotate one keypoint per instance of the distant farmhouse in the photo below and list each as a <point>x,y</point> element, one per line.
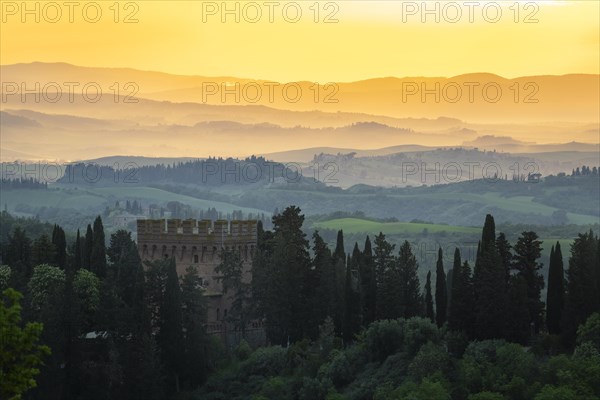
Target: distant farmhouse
<point>535,177</point>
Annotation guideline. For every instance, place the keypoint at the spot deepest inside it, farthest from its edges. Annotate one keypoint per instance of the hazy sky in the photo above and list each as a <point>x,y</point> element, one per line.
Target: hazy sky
<point>369,39</point>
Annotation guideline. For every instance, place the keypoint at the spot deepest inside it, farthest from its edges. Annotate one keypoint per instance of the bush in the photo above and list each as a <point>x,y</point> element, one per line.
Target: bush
<point>384,338</point>
<point>45,284</point>
<point>417,332</point>
<point>497,366</point>
<point>590,331</point>
<point>487,396</point>
<point>457,343</point>
<point>426,390</point>
<point>5,273</point>
<point>340,371</point>
<point>314,389</point>
<point>556,393</point>
<point>546,344</point>
<point>243,350</point>
<point>431,359</point>
<point>266,361</point>
<point>276,388</point>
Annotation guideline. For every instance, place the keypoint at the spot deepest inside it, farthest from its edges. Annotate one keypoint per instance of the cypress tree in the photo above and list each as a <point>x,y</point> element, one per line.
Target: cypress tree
<point>527,252</point>
<point>368,283</point>
<point>461,308</point>
<point>388,285</point>
<point>126,267</point>
<point>428,299</point>
<point>18,256</point>
<point>489,286</point>
<point>597,274</point>
<point>504,249</point>
<point>441,293</point>
<point>449,276</point>
<point>195,360</point>
<point>582,296</point>
<point>77,256</point>
<point>352,317</point>
<point>517,329</point>
<point>43,251</point>
<point>339,269</point>
<point>468,300</point>
<point>98,254</point>
<point>556,290</point>
<point>339,252</point>
<point>323,265</point>
<point>339,264</point>
<point>287,269</point>
<point>60,244</point>
<point>53,237</point>
<point>410,287</point>
<point>457,290</point>
<point>170,336</point>
<point>87,248</point>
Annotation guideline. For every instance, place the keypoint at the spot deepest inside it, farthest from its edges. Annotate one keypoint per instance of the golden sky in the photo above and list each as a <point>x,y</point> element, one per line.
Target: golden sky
<point>362,39</point>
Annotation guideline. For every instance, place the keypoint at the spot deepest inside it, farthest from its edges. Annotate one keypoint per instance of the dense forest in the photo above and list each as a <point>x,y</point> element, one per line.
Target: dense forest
<point>83,318</point>
<point>212,171</point>
<point>22,183</point>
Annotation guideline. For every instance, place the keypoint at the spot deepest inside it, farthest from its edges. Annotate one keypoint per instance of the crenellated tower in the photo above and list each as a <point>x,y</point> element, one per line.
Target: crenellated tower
<point>198,244</point>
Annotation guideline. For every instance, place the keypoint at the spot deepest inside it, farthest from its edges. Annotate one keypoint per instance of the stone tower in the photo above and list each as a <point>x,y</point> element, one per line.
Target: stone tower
<point>198,244</point>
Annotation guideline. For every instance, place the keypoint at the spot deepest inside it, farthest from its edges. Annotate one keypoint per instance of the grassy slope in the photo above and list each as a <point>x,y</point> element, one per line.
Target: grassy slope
<point>518,203</point>
<point>355,225</point>
<point>86,199</point>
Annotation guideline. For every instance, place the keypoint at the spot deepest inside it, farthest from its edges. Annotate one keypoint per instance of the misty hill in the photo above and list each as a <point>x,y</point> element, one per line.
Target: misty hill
<point>441,166</point>
<point>138,161</point>
<point>89,131</point>
<point>63,139</point>
<point>14,120</point>
<point>205,173</point>
<point>551,201</point>
<point>510,145</point>
<point>506,145</point>
<point>570,97</point>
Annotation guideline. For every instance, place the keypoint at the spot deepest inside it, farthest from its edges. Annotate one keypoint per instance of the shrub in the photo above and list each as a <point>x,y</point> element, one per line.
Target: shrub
<point>431,359</point>
<point>417,332</point>
<point>267,361</point>
<point>243,350</point>
<point>487,396</point>
<point>384,338</point>
<point>590,331</point>
<point>556,393</point>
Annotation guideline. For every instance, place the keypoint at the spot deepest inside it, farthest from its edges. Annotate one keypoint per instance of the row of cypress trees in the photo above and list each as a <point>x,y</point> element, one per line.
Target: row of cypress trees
<point>498,298</point>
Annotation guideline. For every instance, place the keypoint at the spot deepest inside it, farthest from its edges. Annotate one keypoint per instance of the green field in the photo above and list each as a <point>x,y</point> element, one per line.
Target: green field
<point>148,194</point>
<point>355,225</point>
<point>524,204</point>
<point>68,199</point>
<point>83,199</point>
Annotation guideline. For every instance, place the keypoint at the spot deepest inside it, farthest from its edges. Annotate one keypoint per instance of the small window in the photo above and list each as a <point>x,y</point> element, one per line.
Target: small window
<point>218,314</point>
<point>196,258</point>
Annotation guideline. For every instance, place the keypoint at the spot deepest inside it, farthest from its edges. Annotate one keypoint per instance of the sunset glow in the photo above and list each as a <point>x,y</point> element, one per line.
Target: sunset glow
<point>351,40</point>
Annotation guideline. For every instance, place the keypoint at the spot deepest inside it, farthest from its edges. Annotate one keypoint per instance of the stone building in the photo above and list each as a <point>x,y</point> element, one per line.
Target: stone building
<point>198,244</point>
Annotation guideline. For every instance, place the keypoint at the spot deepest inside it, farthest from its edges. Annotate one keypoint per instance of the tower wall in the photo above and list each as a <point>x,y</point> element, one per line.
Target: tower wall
<point>197,244</point>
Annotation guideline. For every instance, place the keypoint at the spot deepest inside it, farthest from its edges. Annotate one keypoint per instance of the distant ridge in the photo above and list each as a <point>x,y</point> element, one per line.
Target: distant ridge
<point>570,97</point>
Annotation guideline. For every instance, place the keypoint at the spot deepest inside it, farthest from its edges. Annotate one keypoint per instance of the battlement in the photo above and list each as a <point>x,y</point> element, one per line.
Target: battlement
<point>195,242</point>
<point>203,230</point>
<point>199,245</point>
